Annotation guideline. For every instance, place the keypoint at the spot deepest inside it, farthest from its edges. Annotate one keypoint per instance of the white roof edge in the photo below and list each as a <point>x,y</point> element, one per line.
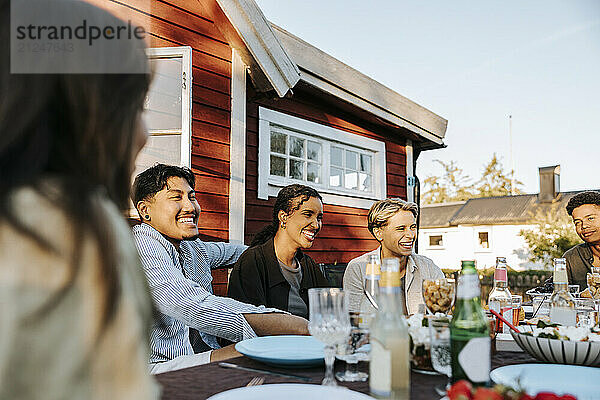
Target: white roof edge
<point>265,47</point>
<point>333,76</point>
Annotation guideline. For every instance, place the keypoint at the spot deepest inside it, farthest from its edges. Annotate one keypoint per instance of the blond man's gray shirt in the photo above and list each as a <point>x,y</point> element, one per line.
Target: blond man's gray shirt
<point>418,268</point>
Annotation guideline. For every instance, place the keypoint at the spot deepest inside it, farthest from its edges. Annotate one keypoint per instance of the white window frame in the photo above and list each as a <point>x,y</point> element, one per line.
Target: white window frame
<point>269,186</point>
<point>429,246</point>
<point>185,53</point>
<point>478,247</point>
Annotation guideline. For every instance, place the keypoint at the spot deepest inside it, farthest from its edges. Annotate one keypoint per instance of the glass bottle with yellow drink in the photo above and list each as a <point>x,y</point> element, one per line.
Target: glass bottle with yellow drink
<point>389,376</point>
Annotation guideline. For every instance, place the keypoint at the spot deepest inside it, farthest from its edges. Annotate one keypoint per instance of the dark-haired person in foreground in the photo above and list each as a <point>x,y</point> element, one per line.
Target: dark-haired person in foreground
<point>274,271</point>
<point>584,208</point>
<point>178,267</point>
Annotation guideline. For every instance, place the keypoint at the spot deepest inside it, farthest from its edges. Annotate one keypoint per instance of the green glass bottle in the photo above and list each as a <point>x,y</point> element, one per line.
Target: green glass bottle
<point>470,343</point>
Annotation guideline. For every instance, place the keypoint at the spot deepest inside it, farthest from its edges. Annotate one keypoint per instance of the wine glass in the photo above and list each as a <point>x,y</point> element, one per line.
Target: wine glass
<point>347,351</point>
<point>438,295</point>
<point>329,323</point>
<point>439,331</point>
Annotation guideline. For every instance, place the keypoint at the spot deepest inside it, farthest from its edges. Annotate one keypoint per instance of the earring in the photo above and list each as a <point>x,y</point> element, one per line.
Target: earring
<point>283,225</point>
<point>147,217</point>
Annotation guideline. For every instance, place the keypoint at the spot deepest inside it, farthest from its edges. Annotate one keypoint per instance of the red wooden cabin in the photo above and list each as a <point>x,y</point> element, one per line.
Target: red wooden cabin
<point>265,109</point>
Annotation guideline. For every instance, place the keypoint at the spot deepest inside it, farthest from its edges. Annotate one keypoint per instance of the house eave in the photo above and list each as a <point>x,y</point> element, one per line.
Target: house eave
<point>248,31</point>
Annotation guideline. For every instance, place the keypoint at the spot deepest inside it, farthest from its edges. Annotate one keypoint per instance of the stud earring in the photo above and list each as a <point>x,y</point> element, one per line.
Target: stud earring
<point>283,225</point>
<point>147,217</point>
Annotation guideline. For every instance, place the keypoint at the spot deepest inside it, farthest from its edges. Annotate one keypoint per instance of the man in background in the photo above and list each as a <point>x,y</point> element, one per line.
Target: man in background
<point>584,208</point>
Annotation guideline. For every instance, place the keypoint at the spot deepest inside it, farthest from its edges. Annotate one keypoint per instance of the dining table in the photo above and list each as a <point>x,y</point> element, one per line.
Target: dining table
<point>204,381</point>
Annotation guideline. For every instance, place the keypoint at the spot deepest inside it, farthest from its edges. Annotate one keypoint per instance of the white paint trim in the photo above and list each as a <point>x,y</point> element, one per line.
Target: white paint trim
<point>185,53</point>
<point>266,49</point>
<point>410,172</point>
<point>237,150</point>
<point>269,186</point>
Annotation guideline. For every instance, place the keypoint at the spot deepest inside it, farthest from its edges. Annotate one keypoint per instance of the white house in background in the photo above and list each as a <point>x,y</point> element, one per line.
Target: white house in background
<point>482,229</point>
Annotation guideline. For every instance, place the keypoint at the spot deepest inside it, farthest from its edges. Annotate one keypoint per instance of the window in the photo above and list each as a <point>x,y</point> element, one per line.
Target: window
<point>483,240</point>
<point>436,241</point>
<point>167,109</point>
<point>347,169</point>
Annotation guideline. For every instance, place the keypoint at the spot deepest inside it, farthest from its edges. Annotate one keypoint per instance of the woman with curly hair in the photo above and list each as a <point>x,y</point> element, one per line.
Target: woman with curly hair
<point>274,271</point>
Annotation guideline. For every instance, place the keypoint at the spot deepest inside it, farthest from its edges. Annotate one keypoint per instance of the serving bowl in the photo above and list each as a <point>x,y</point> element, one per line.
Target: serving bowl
<point>558,351</point>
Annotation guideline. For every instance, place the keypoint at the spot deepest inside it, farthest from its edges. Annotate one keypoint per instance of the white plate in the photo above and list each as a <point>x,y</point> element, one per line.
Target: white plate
<point>290,391</point>
<point>581,382</point>
<point>286,350</point>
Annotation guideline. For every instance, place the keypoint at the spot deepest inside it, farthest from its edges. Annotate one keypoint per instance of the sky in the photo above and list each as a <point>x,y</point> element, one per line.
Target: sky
<point>475,63</point>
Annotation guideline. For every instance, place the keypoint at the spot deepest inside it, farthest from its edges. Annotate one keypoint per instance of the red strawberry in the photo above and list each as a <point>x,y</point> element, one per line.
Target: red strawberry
<point>461,390</point>
<point>525,396</point>
<point>546,396</point>
<point>483,393</point>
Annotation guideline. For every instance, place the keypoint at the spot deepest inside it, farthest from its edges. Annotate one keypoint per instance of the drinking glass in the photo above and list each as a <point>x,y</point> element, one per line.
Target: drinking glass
<point>347,351</point>
<point>439,331</point>
<point>329,323</point>
<point>438,295</point>
<point>593,282</point>
<point>587,313</point>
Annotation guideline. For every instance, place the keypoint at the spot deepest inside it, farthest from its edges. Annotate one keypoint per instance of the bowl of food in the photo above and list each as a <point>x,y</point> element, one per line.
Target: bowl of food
<point>438,295</point>
<point>559,344</point>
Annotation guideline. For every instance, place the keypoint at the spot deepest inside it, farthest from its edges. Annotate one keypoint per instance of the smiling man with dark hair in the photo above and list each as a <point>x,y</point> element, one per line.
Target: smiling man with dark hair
<point>178,267</point>
<point>584,208</point>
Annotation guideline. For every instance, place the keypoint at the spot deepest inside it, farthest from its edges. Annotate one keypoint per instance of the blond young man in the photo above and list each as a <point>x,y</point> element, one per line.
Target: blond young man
<point>393,224</point>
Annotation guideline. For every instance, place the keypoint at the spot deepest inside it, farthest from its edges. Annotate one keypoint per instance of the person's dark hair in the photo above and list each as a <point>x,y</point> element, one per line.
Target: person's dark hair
<point>582,198</point>
<point>80,130</point>
<point>289,199</point>
<point>155,178</point>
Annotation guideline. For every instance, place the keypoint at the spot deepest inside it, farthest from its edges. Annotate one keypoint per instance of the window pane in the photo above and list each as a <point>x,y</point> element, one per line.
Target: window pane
<point>313,151</point>
<point>296,147</point>
<point>436,240</point>
<point>364,182</point>
<point>337,156</point>
<point>164,149</point>
<point>297,169</point>
<point>351,180</point>
<point>351,160</point>
<point>277,166</point>
<point>336,177</point>
<point>278,142</point>
<point>163,102</point>
<point>365,163</point>
<point>483,240</point>
<point>313,173</point>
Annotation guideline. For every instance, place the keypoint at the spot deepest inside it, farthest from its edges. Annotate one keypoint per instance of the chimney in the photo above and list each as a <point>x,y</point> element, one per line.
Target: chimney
<point>549,183</point>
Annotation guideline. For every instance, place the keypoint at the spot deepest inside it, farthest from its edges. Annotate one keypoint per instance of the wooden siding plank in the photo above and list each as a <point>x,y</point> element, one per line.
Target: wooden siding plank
<point>211,80</point>
<point>211,184</point>
<point>211,97</point>
<point>206,130</point>
<point>210,114</point>
<point>209,149</point>
<point>212,202</point>
<point>210,167</point>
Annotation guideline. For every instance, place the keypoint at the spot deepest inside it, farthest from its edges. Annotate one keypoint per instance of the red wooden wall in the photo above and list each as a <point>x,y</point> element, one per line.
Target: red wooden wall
<point>184,23</point>
<point>344,234</point>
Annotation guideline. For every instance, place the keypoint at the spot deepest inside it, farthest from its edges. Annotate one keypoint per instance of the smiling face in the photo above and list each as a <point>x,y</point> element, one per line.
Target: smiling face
<point>398,236</point>
<point>587,223</point>
<point>303,224</point>
<point>173,211</point>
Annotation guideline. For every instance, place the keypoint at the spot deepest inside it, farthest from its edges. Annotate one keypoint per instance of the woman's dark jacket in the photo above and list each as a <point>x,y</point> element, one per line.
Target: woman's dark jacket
<point>257,279</point>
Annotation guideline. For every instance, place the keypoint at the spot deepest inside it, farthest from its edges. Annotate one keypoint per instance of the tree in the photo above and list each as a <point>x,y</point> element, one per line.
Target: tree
<point>552,235</point>
<point>494,181</point>
<point>453,185</point>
